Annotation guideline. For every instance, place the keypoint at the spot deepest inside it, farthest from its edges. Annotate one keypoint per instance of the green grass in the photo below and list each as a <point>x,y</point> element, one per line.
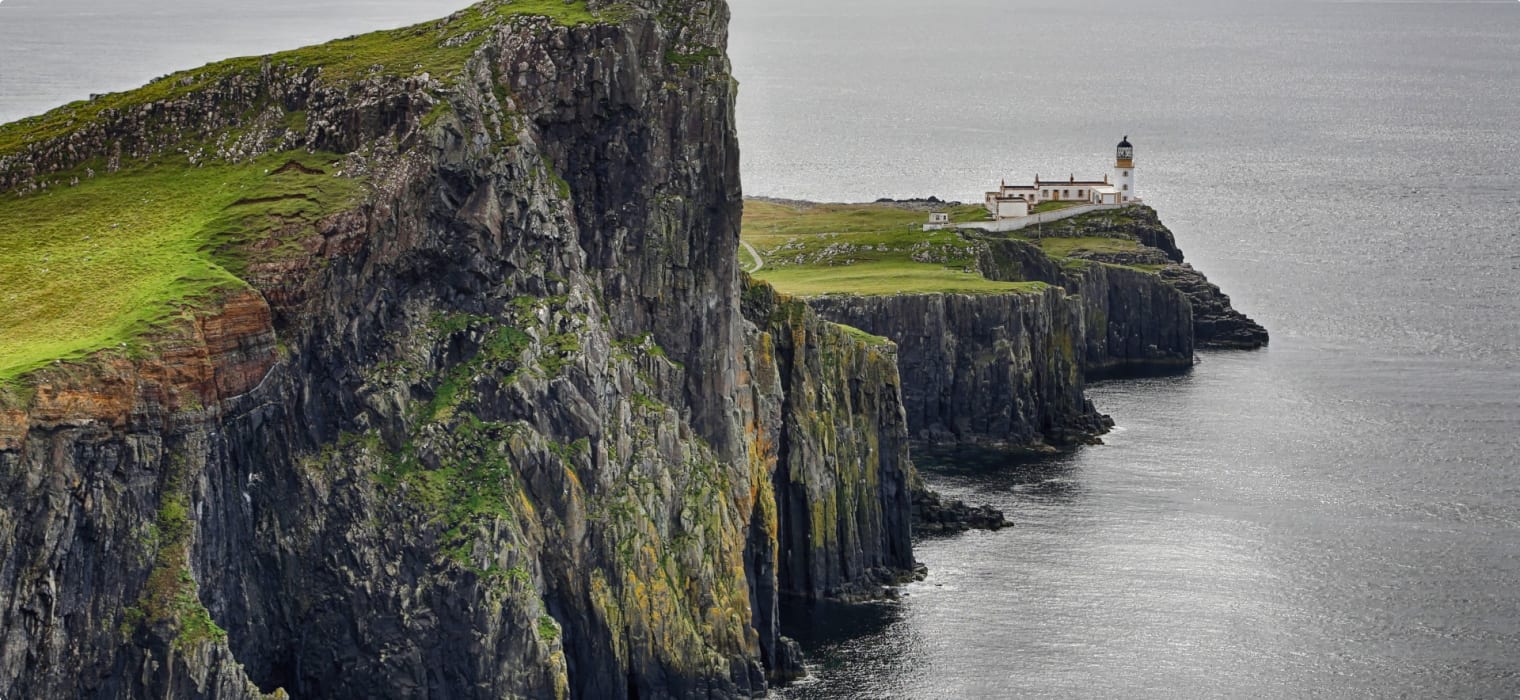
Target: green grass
<point>171,596</point>
<point>470,480</point>
<point>765,221</point>
<point>969,213</point>
<point>871,249</point>
<point>1066,247</point>
<point>886,279</point>
<point>747,262</point>
<point>697,57</point>
<point>548,629</point>
<point>1063,249</point>
<point>98,265</point>
<point>864,337</point>
<point>1043,207</point>
<point>439,47</point>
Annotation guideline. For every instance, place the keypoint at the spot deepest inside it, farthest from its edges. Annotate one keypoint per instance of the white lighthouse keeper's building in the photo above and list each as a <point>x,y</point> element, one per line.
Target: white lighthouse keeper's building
<point>1018,201</point>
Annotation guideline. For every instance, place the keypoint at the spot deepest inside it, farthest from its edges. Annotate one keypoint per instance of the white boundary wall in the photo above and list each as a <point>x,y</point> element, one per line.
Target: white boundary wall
<point>1024,222</point>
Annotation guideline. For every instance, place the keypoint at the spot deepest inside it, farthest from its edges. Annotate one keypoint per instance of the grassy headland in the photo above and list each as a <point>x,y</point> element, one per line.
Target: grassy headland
<point>881,248</point>
<point>869,249</point>
<point>1063,247</point>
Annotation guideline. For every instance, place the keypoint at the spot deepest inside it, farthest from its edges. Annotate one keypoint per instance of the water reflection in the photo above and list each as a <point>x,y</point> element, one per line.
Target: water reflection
<point>859,651</point>
<point>978,475</point>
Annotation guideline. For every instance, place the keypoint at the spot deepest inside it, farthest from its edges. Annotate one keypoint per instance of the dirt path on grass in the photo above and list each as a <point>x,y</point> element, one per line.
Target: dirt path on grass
<point>759,261</point>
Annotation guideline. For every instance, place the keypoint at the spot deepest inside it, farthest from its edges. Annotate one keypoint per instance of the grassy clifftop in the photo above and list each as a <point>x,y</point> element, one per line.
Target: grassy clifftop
<point>135,210</point>
<point>877,249</point>
<point>867,249</point>
<point>97,265</point>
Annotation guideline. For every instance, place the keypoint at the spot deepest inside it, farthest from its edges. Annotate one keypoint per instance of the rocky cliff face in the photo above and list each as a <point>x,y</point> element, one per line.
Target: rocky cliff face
<point>1132,320</point>
<point>1010,369</point>
<point>1216,324</point>
<point>991,369</point>
<point>843,471</point>
<point>504,430</point>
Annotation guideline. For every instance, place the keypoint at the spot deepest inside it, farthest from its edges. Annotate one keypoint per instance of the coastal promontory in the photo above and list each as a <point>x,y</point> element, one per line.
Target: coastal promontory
<point>423,364</point>
<point>998,333</point>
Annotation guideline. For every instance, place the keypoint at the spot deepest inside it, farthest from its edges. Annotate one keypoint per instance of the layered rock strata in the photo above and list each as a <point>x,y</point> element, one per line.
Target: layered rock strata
<point>1216,323</point>
<point>991,369</point>
<point>505,431</point>
<point>1010,369</point>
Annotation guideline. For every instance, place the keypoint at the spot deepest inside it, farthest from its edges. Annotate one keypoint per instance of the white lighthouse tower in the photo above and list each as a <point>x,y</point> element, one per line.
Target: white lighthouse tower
<point>1124,172</point>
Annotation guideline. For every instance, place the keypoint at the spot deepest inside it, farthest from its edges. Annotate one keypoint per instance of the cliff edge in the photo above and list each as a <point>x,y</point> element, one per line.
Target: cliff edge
<point>998,334</point>
<point>419,364</point>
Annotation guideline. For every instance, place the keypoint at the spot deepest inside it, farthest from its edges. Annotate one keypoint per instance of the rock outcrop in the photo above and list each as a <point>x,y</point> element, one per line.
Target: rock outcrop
<point>990,369</point>
<point>1010,369</point>
<point>1216,324</point>
<point>933,514</point>
<point>1132,321</point>
<point>504,430</point>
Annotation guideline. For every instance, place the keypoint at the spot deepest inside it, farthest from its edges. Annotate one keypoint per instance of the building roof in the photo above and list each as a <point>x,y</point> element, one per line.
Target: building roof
<point>1125,143</point>
<point>1085,183</point>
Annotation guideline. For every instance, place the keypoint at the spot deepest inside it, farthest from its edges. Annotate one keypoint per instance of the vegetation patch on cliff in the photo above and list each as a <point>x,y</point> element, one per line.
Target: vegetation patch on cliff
<point>869,339</point>
<point>98,265</point>
<point>1066,247</point>
<point>171,598</point>
<point>1100,238</point>
<point>693,58</point>
<point>868,249</point>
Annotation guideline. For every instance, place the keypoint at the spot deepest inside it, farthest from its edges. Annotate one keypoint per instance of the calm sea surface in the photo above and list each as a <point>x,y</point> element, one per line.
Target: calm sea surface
<point>1338,516</point>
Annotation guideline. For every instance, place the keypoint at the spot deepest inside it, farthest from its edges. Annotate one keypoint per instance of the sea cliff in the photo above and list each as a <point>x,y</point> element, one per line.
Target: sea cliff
<point>998,334</point>
<point>471,402</point>
<point>996,369</point>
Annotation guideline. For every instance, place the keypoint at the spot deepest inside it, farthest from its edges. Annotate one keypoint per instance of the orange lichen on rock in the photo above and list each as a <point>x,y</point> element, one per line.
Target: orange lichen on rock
<point>107,397</point>
<point>240,344</point>
<point>13,429</point>
<point>222,353</point>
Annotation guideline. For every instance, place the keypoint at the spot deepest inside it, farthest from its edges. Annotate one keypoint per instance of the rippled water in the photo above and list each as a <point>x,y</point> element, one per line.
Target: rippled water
<point>1251,530</point>
<point>1338,516</point>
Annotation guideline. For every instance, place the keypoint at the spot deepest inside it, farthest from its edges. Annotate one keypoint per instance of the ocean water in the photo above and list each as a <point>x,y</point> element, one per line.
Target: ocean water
<point>1338,516</point>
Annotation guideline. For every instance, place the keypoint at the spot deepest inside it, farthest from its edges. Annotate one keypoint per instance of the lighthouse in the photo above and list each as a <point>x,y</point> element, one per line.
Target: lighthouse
<point>1070,196</point>
<point>1124,171</point>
